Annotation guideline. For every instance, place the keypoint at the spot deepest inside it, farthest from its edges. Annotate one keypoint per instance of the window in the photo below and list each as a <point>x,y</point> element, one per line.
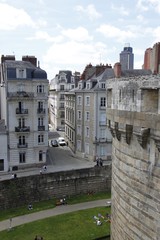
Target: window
<point>103,85</point>
<point>103,102</point>
<point>40,156</point>
<point>102,133</point>
<point>62,122</point>
<point>40,121</point>
<point>40,138</point>
<point>40,89</point>
<point>86,148</point>
<point>79,130</point>
<point>1,164</point>
<point>21,87</point>
<point>21,122</point>
<point>120,95</point>
<point>22,157</point>
<point>61,96</point>
<point>133,95</point>
<point>87,101</point>
<point>102,150</point>
<point>72,86</point>
<point>79,115</point>
<point>62,87</point>
<point>78,145</point>
<point>87,131</point>
<point>87,116</point>
<point>79,100</point>
<point>21,73</point>
<point>88,86</point>
<point>40,105</point>
<point>22,140</point>
<point>79,86</point>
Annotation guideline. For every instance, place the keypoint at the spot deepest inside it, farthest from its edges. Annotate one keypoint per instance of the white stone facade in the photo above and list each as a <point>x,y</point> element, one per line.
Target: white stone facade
<point>24,107</point>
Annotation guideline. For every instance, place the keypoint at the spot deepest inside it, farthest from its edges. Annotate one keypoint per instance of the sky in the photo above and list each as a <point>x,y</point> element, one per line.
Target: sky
<point>69,34</point>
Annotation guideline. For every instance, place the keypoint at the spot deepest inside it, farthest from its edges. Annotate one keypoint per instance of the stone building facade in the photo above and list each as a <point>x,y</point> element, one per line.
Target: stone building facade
<point>86,124</point>
<point>133,117</point>
<point>24,109</point>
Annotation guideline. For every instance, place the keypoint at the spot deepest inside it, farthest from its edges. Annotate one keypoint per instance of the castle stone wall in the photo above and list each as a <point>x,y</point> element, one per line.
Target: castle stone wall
<point>21,191</point>
<point>135,126</point>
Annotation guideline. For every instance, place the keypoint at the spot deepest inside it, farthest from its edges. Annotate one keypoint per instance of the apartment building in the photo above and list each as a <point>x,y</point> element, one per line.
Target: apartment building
<point>86,123</point>
<point>24,108</point>
<point>62,83</point>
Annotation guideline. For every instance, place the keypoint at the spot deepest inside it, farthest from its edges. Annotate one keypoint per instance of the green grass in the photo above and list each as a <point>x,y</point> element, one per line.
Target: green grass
<point>78,225</point>
<point>43,205</point>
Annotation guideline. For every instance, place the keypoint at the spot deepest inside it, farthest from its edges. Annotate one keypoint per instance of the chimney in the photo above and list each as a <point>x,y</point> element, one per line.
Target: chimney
<point>7,57</point>
<point>31,59</point>
<point>117,70</point>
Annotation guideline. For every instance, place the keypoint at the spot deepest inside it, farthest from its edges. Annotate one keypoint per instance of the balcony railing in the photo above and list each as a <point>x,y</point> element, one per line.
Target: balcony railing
<point>21,111</point>
<point>41,128</point>
<point>22,129</point>
<point>25,145</point>
<point>20,94</point>
<point>102,140</point>
<point>41,110</point>
<point>61,107</point>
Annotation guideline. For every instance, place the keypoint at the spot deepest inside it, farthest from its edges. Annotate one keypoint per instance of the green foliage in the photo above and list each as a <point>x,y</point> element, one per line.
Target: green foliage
<point>43,205</point>
<point>78,225</point>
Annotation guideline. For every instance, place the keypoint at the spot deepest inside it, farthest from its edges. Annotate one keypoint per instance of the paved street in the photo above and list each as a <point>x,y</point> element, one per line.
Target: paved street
<point>59,159</point>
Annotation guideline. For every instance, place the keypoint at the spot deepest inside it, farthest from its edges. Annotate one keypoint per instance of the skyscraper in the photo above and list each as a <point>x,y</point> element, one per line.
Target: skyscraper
<point>127,57</point>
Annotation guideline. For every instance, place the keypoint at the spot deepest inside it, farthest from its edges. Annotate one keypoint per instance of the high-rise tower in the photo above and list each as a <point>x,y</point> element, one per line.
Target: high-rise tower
<point>127,58</point>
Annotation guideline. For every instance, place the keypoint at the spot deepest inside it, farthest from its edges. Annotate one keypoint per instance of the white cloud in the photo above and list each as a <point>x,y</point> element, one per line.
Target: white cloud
<point>11,18</point>
<point>156,34</point>
<point>71,54</point>
<point>120,10</point>
<point>42,35</point>
<point>141,5</point>
<point>79,34</point>
<point>145,5</point>
<point>113,32</point>
<point>90,11</point>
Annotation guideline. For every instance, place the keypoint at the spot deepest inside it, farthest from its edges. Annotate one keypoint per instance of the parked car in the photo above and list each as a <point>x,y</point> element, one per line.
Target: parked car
<point>54,143</point>
<point>61,141</point>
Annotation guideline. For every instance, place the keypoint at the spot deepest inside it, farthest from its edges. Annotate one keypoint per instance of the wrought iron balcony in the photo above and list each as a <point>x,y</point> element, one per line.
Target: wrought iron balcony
<point>20,94</point>
<point>41,110</point>
<point>21,111</point>
<point>101,140</point>
<point>22,129</point>
<point>41,128</point>
<point>22,145</point>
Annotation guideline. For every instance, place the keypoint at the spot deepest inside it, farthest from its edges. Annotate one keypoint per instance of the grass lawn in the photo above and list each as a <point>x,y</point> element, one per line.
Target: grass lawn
<point>78,225</point>
<point>39,206</point>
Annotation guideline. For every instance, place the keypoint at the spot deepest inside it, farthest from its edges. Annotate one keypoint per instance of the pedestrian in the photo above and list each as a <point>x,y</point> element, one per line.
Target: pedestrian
<point>44,168</point>
<point>97,161</point>
<point>101,162</point>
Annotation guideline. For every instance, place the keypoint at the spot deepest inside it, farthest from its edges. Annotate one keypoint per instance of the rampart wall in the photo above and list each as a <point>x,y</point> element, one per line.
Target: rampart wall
<point>20,191</point>
<point>134,121</point>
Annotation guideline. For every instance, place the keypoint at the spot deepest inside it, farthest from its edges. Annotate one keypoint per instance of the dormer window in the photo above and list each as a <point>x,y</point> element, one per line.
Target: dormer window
<point>21,73</point>
<point>103,85</point>
<point>80,86</point>
<point>88,86</point>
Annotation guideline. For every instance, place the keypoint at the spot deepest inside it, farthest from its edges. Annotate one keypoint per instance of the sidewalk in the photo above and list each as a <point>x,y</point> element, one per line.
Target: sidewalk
<point>4,225</point>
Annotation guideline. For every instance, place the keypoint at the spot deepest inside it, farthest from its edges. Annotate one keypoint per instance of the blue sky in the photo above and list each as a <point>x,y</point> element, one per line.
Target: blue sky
<point>68,34</point>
